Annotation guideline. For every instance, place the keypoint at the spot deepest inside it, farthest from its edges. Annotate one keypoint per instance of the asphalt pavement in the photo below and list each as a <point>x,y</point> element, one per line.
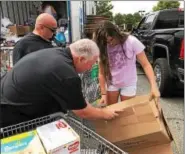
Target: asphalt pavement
<point>173,109</point>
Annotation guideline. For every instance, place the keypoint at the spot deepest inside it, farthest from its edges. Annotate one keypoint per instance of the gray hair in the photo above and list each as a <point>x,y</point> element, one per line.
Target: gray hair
<point>86,48</point>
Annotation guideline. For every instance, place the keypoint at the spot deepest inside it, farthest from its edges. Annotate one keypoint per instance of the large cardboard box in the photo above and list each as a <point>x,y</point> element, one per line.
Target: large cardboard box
<point>17,30</point>
<point>140,125</point>
<point>28,29</point>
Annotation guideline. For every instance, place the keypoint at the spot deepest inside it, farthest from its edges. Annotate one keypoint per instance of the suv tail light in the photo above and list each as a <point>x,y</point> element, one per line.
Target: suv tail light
<point>182,50</point>
<point>180,9</point>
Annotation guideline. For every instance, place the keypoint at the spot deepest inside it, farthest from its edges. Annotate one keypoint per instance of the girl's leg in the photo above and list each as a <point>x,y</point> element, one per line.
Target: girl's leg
<point>123,98</point>
<point>128,92</point>
<point>112,95</point>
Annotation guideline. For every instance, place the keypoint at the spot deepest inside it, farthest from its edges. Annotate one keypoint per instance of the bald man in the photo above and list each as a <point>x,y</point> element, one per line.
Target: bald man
<point>40,38</point>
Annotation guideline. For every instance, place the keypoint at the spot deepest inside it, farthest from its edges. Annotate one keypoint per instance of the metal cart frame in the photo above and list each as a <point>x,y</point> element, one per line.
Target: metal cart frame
<point>91,142</point>
<point>6,61</point>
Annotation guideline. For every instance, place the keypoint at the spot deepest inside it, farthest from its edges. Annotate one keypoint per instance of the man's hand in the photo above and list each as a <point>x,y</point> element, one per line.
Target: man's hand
<point>93,113</point>
<point>109,114</point>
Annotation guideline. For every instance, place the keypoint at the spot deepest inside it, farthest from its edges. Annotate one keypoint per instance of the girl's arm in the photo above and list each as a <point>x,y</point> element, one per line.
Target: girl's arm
<point>141,57</point>
<point>102,82</point>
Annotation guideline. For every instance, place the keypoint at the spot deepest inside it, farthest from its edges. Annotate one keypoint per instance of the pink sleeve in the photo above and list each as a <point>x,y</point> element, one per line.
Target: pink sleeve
<point>138,47</point>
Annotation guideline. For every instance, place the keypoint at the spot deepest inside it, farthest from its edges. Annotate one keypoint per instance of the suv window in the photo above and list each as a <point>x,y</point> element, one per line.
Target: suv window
<point>146,22</point>
<point>181,21</point>
<point>141,24</point>
<point>171,19</point>
<point>149,20</point>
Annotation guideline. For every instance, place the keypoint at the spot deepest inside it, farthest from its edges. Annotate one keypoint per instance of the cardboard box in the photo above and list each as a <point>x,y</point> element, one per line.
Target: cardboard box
<point>22,144</point>
<point>160,149</point>
<point>59,138</point>
<point>17,30</point>
<point>139,126</point>
<point>28,29</point>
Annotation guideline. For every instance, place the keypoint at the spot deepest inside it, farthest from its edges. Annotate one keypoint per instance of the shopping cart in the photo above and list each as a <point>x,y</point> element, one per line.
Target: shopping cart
<point>90,85</point>
<point>6,58</point>
<point>91,142</point>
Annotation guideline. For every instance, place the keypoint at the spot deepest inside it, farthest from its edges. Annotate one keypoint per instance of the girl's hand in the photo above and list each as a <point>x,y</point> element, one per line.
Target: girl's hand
<point>155,94</point>
<point>103,101</point>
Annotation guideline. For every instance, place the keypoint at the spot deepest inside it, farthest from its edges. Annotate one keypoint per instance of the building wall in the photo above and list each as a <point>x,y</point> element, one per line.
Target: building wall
<point>90,8</point>
<point>77,13</point>
<point>18,11</point>
<point>75,19</point>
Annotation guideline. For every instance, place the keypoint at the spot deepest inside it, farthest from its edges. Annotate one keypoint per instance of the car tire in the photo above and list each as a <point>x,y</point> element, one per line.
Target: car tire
<point>164,80</point>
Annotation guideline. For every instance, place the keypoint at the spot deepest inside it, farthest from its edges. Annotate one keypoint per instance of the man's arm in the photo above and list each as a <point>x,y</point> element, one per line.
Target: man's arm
<point>68,94</point>
<point>17,53</point>
<point>92,113</point>
<point>83,109</point>
<point>89,113</point>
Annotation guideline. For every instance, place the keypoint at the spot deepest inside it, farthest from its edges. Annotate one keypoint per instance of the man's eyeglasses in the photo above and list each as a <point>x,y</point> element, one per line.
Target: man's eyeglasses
<point>53,30</point>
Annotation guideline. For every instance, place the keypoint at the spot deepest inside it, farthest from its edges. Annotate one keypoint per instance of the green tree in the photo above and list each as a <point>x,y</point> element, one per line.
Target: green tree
<point>137,18</point>
<point>129,19</point>
<point>161,5</point>
<point>104,8</point>
<point>119,19</point>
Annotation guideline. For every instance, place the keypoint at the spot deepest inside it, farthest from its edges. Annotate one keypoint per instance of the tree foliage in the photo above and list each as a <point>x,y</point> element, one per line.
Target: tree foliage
<point>119,19</point>
<point>161,5</point>
<point>133,19</point>
<point>104,8</point>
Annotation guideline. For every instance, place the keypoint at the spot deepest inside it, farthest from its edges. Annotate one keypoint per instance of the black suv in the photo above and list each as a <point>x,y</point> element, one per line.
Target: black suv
<point>162,33</point>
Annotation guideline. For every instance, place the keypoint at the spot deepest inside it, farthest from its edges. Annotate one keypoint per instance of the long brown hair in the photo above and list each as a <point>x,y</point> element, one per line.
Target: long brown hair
<point>104,29</point>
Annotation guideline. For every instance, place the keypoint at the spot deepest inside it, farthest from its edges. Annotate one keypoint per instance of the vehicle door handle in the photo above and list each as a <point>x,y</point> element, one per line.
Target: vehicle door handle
<point>144,35</point>
<point>140,33</point>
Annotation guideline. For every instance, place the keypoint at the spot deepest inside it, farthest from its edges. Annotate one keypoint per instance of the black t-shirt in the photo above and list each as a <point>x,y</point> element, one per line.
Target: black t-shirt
<point>41,83</point>
<point>28,44</point>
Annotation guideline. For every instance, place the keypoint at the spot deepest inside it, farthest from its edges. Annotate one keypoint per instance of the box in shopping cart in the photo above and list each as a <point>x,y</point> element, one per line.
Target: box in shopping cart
<point>22,143</point>
<point>140,125</point>
<point>58,137</point>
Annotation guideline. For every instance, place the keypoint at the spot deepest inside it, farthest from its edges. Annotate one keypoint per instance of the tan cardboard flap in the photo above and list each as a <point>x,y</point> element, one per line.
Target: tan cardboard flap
<point>160,149</point>
<point>142,108</point>
<point>166,126</point>
<point>127,112</point>
<point>138,102</point>
<point>128,103</point>
<point>138,113</point>
<point>146,118</point>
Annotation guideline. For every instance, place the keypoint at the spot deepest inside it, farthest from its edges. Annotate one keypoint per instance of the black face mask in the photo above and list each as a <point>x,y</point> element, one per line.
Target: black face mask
<point>52,38</point>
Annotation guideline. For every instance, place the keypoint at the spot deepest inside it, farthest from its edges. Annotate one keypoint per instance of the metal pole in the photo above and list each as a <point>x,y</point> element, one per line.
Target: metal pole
<point>69,20</point>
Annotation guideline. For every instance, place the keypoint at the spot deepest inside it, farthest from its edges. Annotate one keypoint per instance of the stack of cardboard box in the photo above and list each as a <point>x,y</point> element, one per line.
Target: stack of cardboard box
<point>20,30</point>
<point>140,128</point>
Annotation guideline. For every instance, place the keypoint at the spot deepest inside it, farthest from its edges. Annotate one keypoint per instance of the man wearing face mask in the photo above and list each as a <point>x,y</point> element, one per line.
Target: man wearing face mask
<point>40,38</point>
